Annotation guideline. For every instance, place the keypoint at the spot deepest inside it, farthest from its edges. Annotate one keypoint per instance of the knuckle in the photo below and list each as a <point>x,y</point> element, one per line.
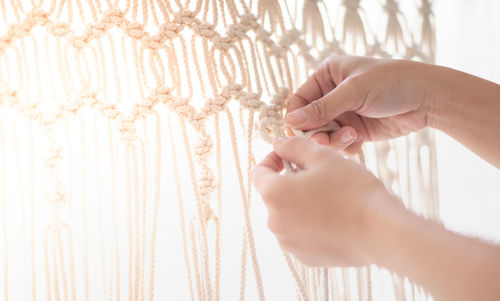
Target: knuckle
<point>287,245</point>
<point>272,193</point>
<point>354,81</point>
<point>317,109</point>
<point>334,59</point>
<point>273,225</point>
<point>266,192</point>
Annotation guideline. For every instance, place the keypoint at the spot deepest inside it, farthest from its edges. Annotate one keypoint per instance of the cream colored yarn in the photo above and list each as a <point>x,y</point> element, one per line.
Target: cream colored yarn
<point>127,135</point>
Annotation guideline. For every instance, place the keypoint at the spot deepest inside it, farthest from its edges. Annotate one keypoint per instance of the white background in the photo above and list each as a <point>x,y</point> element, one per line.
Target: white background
<point>468,39</point>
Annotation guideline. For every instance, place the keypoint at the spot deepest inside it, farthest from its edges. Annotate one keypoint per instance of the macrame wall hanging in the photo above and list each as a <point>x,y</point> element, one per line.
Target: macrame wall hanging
<point>128,129</point>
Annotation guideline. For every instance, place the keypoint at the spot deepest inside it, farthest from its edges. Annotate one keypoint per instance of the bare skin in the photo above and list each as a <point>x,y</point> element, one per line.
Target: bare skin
<point>334,212</point>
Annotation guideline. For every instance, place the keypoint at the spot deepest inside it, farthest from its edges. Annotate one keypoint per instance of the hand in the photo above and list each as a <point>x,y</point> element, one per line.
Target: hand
<point>320,214</point>
<point>375,99</point>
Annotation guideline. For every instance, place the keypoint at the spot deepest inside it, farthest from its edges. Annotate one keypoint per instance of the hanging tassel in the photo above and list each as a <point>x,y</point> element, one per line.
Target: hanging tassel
<point>428,36</point>
<point>272,9</point>
<point>353,25</point>
<point>394,31</point>
<point>312,22</point>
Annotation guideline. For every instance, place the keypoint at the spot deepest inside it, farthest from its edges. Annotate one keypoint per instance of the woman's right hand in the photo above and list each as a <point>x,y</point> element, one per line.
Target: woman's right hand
<point>373,99</point>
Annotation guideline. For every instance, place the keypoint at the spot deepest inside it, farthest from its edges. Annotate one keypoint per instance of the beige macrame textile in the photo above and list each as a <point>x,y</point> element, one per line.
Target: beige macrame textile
<point>128,129</point>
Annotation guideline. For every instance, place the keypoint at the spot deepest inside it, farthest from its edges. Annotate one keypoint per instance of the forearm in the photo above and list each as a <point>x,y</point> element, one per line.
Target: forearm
<point>450,266</point>
<point>467,108</point>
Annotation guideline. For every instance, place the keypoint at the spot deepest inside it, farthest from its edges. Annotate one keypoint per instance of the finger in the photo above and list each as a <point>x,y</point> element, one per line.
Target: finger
<point>345,97</point>
<point>264,172</point>
<point>355,121</point>
<point>343,138</point>
<point>317,85</point>
<point>321,138</point>
<point>355,147</point>
<point>300,151</point>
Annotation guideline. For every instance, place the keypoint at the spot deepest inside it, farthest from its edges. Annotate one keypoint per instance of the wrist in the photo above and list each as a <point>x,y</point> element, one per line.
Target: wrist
<point>449,103</point>
<point>382,219</point>
<point>436,105</point>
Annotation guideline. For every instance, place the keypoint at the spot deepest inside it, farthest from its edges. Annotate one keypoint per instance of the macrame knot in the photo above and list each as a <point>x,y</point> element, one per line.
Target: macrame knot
<point>127,128</point>
<point>9,95</point>
<point>249,20</point>
<point>59,29</point>
<point>203,148</point>
<point>207,211</point>
<point>263,35</point>
<point>289,38</point>
<point>72,106</point>
<point>53,157</point>
<point>161,94</point>
<point>31,111</point>
<point>197,120</point>
<point>251,101</point>
<point>207,186</point>
<point>52,117</point>
<point>304,49</point>
<point>135,30</point>
<point>232,90</point>
<point>146,106</point>
<point>170,30</point>
<point>351,4</point>
<point>205,30</point>
<point>4,42</point>
<point>215,105</point>
<point>113,16</point>
<point>185,17</point>
<point>55,198</point>
<point>391,7</point>
<point>223,43</point>
<point>99,29</point>
<point>270,122</point>
<point>218,103</point>
<point>24,28</point>
<point>79,41</point>
<point>181,106</point>
<point>237,31</point>
<point>39,16</point>
<point>154,42</point>
<point>109,110</point>
<point>89,96</point>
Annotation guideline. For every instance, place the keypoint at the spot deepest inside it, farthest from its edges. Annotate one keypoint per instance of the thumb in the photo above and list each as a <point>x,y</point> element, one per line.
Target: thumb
<point>300,151</point>
<point>319,112</point>
<point>266,171</point>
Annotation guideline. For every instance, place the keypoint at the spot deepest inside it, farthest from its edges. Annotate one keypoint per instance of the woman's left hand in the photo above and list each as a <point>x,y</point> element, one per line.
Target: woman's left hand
<point>322,213</point>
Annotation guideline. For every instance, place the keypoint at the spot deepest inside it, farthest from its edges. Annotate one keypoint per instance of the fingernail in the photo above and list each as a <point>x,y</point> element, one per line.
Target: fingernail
<point>296,117</point>
<point>346,137</point>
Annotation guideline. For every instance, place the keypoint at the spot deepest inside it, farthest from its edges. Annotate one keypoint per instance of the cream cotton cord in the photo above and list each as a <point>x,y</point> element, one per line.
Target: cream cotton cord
<point>127,135</point>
